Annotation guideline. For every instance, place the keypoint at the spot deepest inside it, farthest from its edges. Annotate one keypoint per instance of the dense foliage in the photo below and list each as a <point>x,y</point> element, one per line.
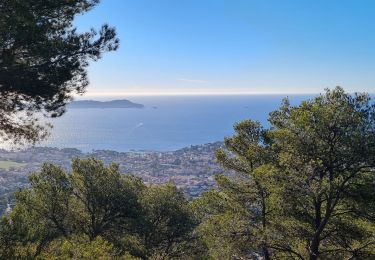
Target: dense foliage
<point>304,188</point>
<point>43,61</point>
<point>95,211</point>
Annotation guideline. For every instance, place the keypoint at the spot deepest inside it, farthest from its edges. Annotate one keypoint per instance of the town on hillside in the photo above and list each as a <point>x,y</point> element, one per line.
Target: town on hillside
<point>191,169</point>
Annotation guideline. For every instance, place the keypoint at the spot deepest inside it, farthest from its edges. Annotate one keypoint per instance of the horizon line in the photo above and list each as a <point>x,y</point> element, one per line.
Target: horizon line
<point>114,94</point>
<point>244,93</point>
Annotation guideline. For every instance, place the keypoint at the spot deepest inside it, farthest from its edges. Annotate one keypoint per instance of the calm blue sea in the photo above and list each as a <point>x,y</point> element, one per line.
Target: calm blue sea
<point>165,124</point>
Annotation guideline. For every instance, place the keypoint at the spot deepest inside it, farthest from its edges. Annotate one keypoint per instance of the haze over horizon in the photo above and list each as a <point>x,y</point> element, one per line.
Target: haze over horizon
<point>120,95</point>
<point>234,47</point>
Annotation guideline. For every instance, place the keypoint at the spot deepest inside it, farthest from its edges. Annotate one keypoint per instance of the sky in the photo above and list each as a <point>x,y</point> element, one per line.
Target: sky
<point>170,47</point>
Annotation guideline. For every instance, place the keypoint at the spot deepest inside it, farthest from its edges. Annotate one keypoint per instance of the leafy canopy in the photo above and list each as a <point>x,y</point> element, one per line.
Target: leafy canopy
<point>43,61</point>
<point>302,189</point>
<point>96,212</point>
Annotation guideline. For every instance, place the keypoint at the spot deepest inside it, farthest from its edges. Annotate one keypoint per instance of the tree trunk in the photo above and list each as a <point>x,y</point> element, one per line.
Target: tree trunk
<point>266,254</point>
<point>314,249</point>
<point>265,251</point>
<point>315,242</point>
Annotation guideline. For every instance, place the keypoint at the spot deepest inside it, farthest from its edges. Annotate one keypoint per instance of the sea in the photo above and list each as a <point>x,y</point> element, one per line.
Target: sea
<point>166,123</point>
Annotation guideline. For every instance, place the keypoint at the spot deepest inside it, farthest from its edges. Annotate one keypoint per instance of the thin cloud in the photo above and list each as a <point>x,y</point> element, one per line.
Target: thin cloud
<point>193,80</point>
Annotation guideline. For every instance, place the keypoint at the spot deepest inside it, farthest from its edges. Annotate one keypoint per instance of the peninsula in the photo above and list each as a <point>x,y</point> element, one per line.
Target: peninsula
<point>123,103</point>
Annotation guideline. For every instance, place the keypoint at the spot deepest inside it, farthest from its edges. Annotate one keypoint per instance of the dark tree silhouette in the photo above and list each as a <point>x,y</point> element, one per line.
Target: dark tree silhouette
<point>43,61</point>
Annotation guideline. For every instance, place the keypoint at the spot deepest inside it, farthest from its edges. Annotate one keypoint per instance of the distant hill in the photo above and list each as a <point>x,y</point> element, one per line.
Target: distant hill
<point>123,103</point>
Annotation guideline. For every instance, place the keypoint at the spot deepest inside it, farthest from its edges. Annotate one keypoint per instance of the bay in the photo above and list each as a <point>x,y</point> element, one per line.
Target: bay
<point>166,123</point>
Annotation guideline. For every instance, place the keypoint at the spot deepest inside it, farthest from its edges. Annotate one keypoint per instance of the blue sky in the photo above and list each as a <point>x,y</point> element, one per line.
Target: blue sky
<point>234,46</point>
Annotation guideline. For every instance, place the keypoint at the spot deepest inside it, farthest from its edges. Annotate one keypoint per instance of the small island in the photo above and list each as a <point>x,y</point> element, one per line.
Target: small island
<point>123,103</point>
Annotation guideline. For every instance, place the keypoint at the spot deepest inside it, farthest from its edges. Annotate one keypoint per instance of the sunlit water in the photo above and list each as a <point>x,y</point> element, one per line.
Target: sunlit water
<point>164,124</point>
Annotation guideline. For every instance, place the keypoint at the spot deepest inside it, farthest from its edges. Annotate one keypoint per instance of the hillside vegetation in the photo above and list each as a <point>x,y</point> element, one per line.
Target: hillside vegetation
<point>303,189</point>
